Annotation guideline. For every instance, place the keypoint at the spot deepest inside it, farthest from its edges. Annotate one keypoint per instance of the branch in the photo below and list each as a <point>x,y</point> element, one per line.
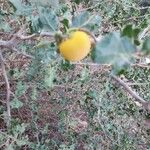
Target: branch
<point>7,88</point>
<point>49,34</point>
<point>137,98</point>
<point>145,104</point>
<point>26,37</point>
<point>13,42</point>
<point>8,44</point>
<point>22,53</point>
<point>11,45</point>
<point>23,37</point>
<point>145,31</point>
<point>142,65</point>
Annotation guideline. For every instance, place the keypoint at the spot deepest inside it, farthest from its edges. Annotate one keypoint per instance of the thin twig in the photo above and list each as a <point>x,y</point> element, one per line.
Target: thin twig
<point>145,104</point>
<point>13,42</point>
<point>145,31</point>
<point>131,92</point>
<point>142,65</point>
<point>11,45</point>
<point>7,88</point>
<point>90,64</point>
<point>49,34</point>
<point>8,44</point>
<point>130,18</point>
<point>22,53</point>
<point>23,37</point>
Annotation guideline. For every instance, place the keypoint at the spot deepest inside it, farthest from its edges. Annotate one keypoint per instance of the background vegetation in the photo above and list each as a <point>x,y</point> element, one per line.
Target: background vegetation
<point>101,103</point>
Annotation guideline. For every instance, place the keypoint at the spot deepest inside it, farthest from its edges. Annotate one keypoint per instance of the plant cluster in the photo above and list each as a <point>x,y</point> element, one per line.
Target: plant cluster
<point>74,74</point>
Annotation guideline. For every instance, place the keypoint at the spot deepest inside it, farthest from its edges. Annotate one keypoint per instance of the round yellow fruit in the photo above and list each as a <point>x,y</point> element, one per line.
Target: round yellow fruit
<point>76,47</point>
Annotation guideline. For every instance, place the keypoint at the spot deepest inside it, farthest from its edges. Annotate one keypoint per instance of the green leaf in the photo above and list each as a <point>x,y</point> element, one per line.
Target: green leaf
<point>34,93</point>
<point>86,20</point>
<point>132,33</point>
<point>78,1</point>
<point>146,46</point>
<point>20,89</point>
<point>127,31</point>
<point>84,74</point>
<point>21,8</point>
<point>45,53</point>
<point>115,50</point>
<point>34,24</point>
<point>4,25</point>
<point>65,22</point>
<point>136,32</point>
<point>15,103</point>
<point>46,20</point>
<point>80,20</point>
<point>21,142</point>
<point>66,65</point>
<point>20,128</point>
<point>50,76</point>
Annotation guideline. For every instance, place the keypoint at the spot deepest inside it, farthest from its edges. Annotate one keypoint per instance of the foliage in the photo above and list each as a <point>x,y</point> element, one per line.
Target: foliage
<point>108,52</point>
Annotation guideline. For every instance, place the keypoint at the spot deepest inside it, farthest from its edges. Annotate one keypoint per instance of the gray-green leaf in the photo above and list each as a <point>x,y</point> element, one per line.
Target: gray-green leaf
<point>115,50</point>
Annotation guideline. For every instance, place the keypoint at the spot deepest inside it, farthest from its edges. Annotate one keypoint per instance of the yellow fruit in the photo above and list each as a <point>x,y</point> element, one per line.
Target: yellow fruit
<point>76,47</point>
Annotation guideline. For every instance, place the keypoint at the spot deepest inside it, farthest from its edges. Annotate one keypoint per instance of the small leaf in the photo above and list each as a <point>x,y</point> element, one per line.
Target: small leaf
<point>86,20</point>
<point>15,103</point>
<point>136,32</point>
<point>132,33</point>
<point>48,20</point>
<point>20,89</point>
<point>84,74</point>
<point>146,46</point>
<point>65,22</point>
<point>127,31</point>
<point>50,76</point>
<point>45,53</point>
<point>4,25</point>
<point>66,65</point>
<point>80,19</point>
<point>34,93</point>
<point>21,142</point>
